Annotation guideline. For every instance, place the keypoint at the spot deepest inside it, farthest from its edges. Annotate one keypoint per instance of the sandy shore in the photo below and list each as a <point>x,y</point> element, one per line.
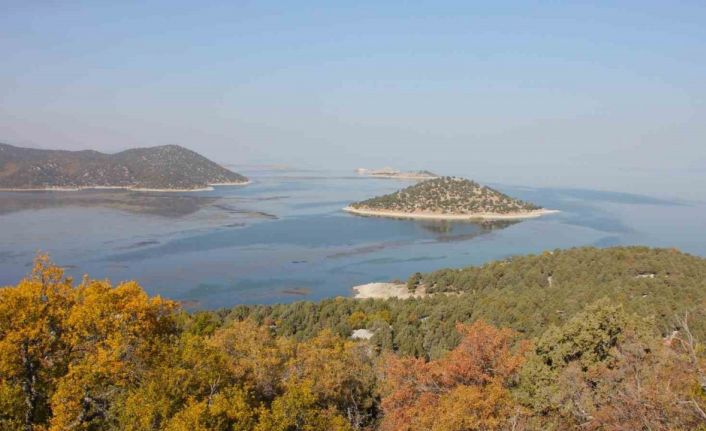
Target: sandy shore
<point>435,216</point>
<point>132,189</point>
<point>384,291</point>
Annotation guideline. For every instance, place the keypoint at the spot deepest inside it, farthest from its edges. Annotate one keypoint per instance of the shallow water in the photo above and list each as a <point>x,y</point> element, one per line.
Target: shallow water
<point>285,238</point>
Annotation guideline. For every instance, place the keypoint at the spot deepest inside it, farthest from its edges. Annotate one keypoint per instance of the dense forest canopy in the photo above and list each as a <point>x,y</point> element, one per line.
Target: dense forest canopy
<point>447,195</point>
<point>93,356</point>
<point>525,293</point>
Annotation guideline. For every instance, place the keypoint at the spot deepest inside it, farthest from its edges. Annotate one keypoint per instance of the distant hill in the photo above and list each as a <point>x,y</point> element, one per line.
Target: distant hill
<point>168,167</point>
<point>396,173</point>
<point>447,196</point>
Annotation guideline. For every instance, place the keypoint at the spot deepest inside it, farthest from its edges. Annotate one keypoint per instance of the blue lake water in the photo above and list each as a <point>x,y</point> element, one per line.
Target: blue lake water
<point>285,238</point>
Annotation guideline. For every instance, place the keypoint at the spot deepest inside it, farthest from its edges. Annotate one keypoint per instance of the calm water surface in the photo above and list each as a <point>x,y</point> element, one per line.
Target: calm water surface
<point>285,238</point>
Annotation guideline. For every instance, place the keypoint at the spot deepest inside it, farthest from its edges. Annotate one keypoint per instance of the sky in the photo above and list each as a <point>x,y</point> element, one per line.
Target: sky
<point>608,95</point>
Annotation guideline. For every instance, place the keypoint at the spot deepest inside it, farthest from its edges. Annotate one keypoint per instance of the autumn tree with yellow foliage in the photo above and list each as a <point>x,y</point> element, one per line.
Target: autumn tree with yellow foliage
<point>92,356</point>
<point>68,352</point>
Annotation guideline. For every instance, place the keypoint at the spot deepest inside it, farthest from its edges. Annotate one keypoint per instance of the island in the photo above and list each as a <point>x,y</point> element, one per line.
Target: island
<point>449,198</point>
<point>396,173</point>
<point>162,168</point>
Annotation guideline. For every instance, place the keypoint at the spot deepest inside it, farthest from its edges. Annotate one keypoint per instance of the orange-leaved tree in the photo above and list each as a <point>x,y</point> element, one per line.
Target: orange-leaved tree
<point>468,389</point>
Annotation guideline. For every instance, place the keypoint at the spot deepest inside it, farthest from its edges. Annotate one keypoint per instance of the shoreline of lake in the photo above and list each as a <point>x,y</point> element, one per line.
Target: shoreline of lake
<point>127,188</point>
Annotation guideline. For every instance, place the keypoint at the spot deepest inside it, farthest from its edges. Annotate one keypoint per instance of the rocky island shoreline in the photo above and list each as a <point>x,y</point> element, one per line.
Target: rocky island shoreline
<point>441,216</point>
<point>448,198</point>
<point>393,173</point>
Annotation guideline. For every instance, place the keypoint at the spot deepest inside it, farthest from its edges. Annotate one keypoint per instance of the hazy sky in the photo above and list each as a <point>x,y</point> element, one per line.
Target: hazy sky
<point>605,95</point>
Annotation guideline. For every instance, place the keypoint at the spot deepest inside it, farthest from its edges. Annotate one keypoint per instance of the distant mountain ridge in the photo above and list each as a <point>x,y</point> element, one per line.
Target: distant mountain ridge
<point>167,167</point>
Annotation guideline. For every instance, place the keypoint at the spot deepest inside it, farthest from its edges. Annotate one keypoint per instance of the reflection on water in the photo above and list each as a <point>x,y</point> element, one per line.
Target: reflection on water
<point>285,238</point>
<point>161,204</point>
<point>448,227</point>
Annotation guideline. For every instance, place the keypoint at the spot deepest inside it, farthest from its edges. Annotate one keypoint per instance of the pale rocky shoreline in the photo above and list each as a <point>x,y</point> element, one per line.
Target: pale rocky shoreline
<point>436,216</point>
<point>131,189</point>
<point>385,291</point>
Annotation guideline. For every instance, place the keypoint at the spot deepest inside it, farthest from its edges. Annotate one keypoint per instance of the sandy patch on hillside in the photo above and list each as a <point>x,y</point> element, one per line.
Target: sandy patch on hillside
<point>385,291</point>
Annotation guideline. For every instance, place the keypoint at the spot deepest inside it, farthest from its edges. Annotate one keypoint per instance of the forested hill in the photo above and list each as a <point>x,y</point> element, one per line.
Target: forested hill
<point>166,167</point>
<point>447,195</point>
<point>93,356</point>
<point>526,293</point>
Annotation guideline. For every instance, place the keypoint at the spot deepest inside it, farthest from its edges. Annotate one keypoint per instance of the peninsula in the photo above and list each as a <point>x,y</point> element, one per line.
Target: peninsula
<point>396,173</point>
<point>163,168</point>
<point>449,198</point>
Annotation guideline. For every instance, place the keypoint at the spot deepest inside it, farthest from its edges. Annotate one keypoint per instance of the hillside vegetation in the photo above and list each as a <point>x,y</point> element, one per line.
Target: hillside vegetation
<point>92,356</point>
<point>166,167</point>
<point>447,195</point>
<point>525,293</point>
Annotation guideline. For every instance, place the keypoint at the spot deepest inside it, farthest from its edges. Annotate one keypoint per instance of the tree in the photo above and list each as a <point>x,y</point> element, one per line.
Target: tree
<point>604,370</point>
<point>297,410</point>
<point>468,389</point>
<point>34,350</point>
<point>342,376</point>
<point>68,351</point>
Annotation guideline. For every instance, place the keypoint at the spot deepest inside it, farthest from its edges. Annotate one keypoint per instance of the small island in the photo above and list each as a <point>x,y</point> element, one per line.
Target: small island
<point>448,198</point>
<point>396,174</point>
<point>164,168</point>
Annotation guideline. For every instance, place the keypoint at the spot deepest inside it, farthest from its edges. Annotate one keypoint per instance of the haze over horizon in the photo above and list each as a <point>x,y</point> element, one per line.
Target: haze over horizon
<point>605,96</point>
